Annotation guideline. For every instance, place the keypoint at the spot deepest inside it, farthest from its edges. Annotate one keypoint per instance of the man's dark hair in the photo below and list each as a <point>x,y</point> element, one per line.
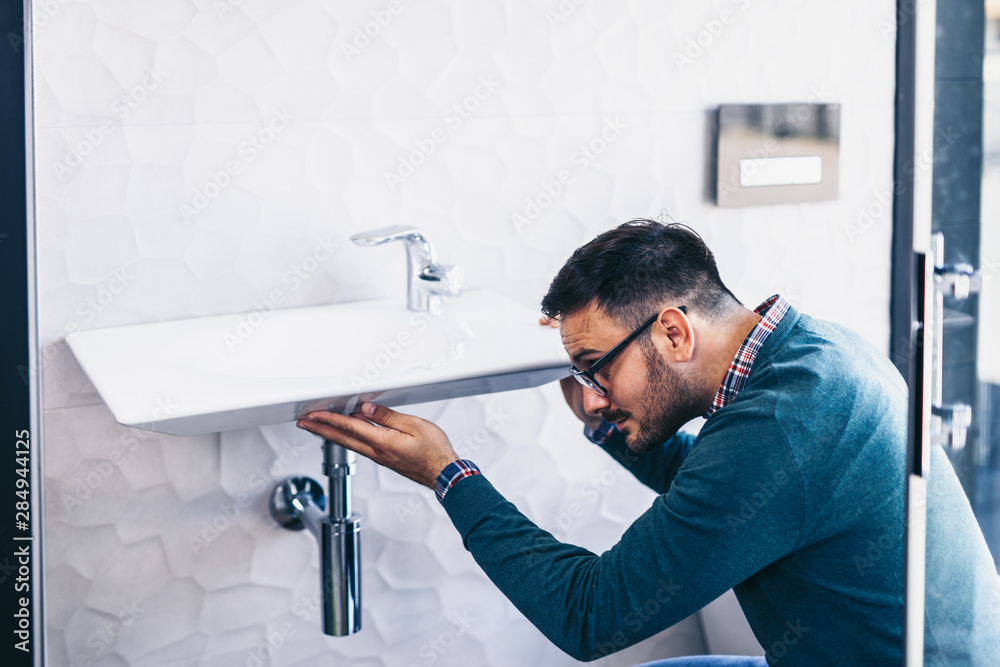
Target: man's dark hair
<point>638,268</point>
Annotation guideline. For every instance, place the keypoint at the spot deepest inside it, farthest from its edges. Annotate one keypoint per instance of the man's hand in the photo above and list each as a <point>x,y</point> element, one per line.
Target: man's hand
<point>573,390</point>
<point>573,393</point>
<point>411,446</point>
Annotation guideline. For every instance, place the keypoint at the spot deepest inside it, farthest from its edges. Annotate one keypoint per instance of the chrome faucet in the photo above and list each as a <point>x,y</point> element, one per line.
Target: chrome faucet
<point>297,503</point>
<point>425,277</point>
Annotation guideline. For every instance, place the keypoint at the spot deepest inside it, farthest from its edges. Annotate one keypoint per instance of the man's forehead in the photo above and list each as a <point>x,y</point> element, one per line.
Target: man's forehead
<point>586,330</point>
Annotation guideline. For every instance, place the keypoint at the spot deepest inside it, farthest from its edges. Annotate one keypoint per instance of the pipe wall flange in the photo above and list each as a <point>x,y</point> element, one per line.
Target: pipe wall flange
<point>288,500</point>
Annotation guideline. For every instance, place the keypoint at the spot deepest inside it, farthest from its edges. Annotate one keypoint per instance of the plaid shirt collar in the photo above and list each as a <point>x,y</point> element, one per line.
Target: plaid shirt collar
<point>771,312</point>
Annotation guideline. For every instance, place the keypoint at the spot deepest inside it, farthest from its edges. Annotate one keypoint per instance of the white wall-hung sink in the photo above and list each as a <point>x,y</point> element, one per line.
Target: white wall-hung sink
<point>210,374</point>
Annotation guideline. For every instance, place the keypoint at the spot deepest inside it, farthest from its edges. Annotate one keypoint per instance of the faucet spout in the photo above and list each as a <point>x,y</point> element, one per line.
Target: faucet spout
<point>426,279</point>
<point>299,502</point>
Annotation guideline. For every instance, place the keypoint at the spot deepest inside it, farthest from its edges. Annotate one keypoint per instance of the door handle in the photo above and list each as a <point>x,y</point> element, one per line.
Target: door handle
<point>949,422</point>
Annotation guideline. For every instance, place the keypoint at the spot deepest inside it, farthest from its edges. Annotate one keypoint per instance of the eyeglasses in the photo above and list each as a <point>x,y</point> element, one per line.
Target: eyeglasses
<point>587,378</point>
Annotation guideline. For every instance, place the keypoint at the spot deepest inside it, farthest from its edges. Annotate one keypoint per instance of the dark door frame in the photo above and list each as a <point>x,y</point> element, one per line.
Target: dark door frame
<point>20,478</point>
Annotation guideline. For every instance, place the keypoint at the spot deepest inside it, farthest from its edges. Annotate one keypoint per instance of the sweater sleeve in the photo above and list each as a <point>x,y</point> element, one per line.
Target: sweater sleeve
<point>687,549</point>
<point>655,468</point>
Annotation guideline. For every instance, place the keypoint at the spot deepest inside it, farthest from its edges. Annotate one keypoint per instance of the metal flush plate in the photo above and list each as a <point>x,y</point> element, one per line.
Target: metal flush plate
<point>777,153</point>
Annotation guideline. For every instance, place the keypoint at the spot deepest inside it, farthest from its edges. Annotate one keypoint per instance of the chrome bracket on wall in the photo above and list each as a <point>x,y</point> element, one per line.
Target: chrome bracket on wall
<point>777,153</point>
<point>949,422</point>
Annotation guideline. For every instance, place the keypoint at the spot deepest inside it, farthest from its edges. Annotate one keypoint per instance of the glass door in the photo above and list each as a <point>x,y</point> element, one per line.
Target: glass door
<point>954,485</point>
<point>986,463</point>
<point>949,215</point>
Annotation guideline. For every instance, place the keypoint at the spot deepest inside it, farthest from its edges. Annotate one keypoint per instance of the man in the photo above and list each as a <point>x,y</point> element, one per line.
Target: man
<point>792,493</point>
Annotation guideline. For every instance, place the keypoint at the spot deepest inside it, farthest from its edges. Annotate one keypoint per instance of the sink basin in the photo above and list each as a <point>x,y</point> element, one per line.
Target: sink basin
<point>211,374</point>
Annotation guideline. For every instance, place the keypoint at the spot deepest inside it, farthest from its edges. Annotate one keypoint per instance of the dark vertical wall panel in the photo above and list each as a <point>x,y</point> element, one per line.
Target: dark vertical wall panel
<point>15,587</point>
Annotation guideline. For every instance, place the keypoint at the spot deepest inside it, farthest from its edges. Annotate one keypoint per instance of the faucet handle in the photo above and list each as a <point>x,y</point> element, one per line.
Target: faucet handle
<point>447,280</point>
<point>386,234</point>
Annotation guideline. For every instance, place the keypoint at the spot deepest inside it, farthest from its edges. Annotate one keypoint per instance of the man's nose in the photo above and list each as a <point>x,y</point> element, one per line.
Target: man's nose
<point>594,403</point>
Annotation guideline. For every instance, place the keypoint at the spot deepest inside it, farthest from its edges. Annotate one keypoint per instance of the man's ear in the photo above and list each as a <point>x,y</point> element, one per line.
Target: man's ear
<point>673,334</point>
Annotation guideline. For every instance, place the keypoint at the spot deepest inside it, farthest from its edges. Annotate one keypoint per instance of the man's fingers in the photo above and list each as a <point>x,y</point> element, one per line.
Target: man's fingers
<point>379,414</point>
<point>358,427</point>
<point>338,436</point>
<point>411,446</point>
<point>360,431</point>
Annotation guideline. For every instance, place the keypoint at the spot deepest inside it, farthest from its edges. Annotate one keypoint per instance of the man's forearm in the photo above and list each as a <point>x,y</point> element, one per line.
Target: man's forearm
<point>680,554</point>
<point>587,605</point>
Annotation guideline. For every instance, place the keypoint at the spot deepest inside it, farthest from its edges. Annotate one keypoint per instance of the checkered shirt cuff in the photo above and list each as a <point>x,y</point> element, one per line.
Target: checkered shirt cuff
<point>453,472</point>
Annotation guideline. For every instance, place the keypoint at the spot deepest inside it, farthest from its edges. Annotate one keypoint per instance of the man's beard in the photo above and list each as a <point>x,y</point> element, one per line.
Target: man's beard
<point>669,405</point>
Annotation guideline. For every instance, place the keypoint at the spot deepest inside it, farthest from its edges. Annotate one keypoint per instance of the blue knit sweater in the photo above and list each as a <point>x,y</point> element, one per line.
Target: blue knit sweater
<point>792,495</point>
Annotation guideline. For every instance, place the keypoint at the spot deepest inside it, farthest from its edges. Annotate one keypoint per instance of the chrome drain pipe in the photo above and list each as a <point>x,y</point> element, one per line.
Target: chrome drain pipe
<point>297,503</point>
